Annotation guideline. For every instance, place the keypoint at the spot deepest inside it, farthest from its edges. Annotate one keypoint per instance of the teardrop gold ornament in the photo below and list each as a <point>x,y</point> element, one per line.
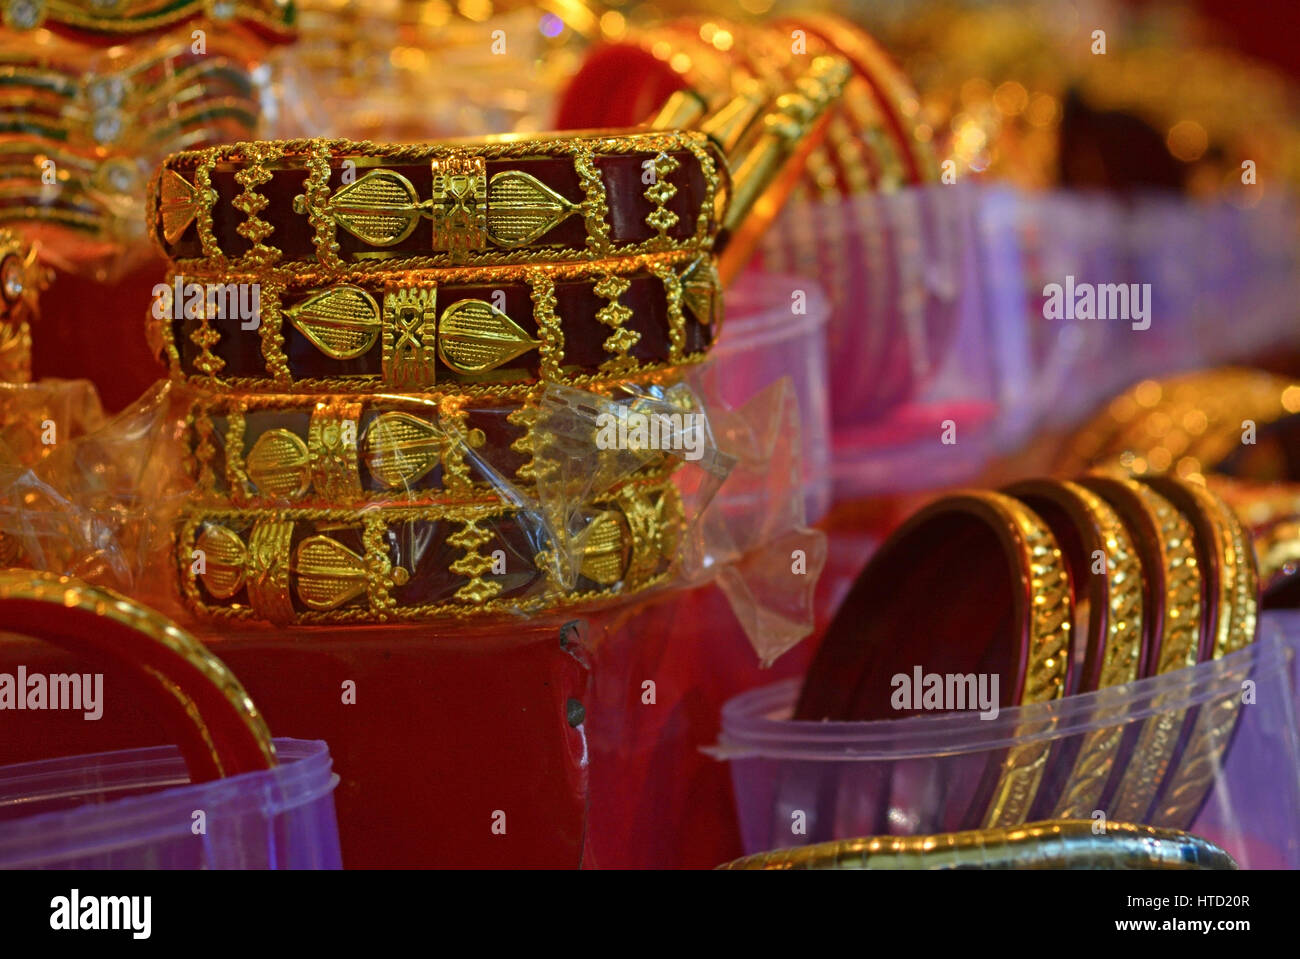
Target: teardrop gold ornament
<point>522,208</point>
<point>381,208</point>
<point>401,448</point>
<point>280,464</point>
<point>178,204</point>
<point>224,561</point>
<point>329,574</point>
<point>700,286</point>
<point>342,322</point>
<point>604,554</point>
<point>474,337</point>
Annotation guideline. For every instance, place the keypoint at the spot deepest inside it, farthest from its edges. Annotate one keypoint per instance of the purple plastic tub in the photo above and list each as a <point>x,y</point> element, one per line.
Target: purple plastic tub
<point>805,782</point>
<point>136,809</point>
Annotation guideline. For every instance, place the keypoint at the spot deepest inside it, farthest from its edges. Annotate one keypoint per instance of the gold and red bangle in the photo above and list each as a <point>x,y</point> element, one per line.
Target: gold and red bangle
<point>218,729</point>
<point>1055,844</point>
<point>344,449</point>
<point>1006,609</point>
<point>313,204</point>
<point>1107,575</point>
<point>445,561</point>
<point>478,329</point>
<point>116,21</point>
<point>1232,601</point>
<point>21,280</point>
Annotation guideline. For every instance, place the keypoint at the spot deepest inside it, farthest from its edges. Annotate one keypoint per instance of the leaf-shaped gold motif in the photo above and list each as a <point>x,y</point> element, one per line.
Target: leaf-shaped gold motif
<point>381,208</point>
<point>521,208</point>
<point>604,554</point>
<point>280,465</point>
<point>178,204</point>
<point>700,287</point>
<point>342,322</point>
<point>329,574</point>
<point>401,448</point>
<point>224,561</point>
<point>474,337</point>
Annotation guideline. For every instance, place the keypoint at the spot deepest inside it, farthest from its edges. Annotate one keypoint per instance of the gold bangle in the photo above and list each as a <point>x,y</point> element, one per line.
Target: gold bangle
<point>1051,612</point>
<point>1186,786</point>
<point>219,714</point>
<point>479,329</point>
<point>338,450</point>
<point>1180,640</point>
<point>1119,605</point>
<point>316,566</point>
<point>1057,844</point>
<point>483,203</point>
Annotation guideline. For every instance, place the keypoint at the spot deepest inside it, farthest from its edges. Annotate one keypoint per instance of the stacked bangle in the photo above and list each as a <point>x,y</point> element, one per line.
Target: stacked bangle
<point>474,327</point>
<point>1111,580</point>
<point>403,563</point>
<point>370,332</point>
<point>304,204</point>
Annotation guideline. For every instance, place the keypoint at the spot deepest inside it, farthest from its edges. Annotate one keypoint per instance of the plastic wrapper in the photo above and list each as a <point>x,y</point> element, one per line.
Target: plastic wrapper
<point>1232,779</point>
<point>86,125</point>
<point>471,508</point>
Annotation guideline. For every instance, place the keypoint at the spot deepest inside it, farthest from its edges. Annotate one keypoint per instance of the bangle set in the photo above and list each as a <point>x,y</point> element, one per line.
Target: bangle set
<point>368,332</point>
<point>84,118</point>
<point>1064,588</point>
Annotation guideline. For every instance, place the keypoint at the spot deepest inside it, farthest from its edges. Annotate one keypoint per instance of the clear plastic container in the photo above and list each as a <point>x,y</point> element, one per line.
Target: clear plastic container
<point>775,326</point>
<point>921,775</point>
<point>136,809</point>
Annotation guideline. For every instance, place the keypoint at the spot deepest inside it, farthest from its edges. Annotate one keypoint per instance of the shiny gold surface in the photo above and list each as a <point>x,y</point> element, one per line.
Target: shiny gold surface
<point>1057,844</point>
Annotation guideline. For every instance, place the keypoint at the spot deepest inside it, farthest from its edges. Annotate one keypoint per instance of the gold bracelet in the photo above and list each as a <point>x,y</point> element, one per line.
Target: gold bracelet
<point>443,562</point>
<point>1051,614</point>
<point>339,450</point>
<point>479,329</point>
<point>1058,844</point>
<point>1112,639</point>
<point>1186,786</point>
<point>312,204</point>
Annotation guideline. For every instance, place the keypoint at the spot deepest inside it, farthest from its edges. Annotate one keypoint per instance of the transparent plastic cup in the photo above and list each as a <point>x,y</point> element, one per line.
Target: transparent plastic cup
<point>136,809</point>
<point>804,782</point>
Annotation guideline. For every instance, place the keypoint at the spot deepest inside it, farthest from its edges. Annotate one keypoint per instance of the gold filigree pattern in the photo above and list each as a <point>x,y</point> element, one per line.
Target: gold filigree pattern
<point>328,578</point>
